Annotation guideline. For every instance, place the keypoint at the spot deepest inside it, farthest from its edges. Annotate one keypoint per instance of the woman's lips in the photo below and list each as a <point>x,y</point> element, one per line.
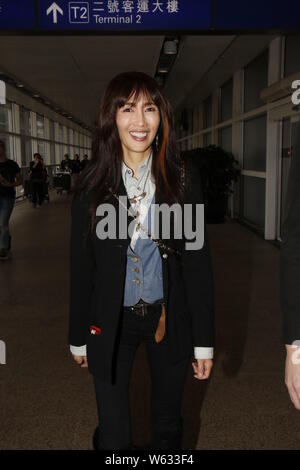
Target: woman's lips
<point>139,136</point>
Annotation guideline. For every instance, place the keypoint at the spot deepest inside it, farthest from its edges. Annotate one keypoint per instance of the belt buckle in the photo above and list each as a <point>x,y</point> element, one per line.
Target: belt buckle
<point>139,310</point>
<point>143,310</point>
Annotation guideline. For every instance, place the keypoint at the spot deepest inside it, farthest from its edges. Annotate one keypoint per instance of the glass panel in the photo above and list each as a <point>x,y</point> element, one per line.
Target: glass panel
<point>75,138</point>
<point>52,131</point>
<point>207,139</point>
<point>255,142</point>
<point>226,100</point>
<point>256,78</point>
<point>61,152</point>
<point>41,147</point>
<point>292,56</point>
<point>81,140</point>
<point>71,136</point>
<point>26,150</point>
<point>225,138</point>
<point>7,139</point>
<point>40,126</point>
<point>60,133</point>
<point>25,121</point>
<point>207,112</point>
<point>253,200</point>
<point>6,117</point>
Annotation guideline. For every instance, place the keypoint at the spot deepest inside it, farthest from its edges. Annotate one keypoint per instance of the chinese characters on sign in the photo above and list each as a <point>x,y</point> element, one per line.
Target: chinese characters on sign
<point>119,11</point>
<point>124,14</point>
<point>148,15</point>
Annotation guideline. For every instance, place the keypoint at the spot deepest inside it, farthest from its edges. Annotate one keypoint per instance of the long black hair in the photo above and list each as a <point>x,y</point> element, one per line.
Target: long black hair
<point>104,169</point>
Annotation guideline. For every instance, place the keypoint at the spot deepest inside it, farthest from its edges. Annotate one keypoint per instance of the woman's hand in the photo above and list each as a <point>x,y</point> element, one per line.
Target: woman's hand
<point>80,360</point>
<point>202,368</point>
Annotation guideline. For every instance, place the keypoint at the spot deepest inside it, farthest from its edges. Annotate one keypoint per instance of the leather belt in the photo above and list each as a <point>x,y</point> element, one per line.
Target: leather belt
<point>143,308</point>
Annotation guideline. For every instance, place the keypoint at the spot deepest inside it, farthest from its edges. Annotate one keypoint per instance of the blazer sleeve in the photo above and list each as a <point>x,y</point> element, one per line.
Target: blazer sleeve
<point>81,272</point>
<point>289,261</point>
<point>197,271</point>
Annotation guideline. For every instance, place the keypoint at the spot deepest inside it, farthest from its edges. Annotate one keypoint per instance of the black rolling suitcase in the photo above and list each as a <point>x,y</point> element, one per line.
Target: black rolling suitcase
<point>62,182</point>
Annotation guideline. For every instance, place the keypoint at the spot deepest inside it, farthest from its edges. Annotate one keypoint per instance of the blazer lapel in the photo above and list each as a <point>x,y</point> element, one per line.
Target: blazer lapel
<point>122,216</point>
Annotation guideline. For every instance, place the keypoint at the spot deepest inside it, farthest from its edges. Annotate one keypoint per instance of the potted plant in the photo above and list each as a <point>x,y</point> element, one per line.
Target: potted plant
<point>218,169</point>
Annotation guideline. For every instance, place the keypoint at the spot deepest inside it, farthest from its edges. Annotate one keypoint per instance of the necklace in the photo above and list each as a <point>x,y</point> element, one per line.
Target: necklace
<point>137,198</point>
<point>158,242</point>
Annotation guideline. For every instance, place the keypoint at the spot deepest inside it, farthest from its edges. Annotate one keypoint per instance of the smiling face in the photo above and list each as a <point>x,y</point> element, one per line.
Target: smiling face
<point>137,124</point>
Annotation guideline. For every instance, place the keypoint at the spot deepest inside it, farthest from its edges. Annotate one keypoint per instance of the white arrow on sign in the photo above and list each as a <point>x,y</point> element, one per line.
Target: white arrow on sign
<point>54,8</point>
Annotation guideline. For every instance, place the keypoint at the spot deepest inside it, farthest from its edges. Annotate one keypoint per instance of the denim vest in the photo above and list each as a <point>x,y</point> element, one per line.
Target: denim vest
<point>143,270</point>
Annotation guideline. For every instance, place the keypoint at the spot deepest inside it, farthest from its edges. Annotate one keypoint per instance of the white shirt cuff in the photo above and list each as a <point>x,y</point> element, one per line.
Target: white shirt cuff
<point>78,350</point>
<point>203,353</point>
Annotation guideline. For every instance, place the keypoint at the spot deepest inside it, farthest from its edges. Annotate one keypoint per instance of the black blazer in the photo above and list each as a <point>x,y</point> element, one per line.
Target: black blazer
<point>290,251</point>
<point>98,269</point>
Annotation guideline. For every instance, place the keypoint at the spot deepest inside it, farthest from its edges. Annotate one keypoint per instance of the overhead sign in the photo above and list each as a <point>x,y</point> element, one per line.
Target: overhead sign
<point>148,15</point>
<point>17,14</point>
<point>122,15</point>
<point>256,14</point>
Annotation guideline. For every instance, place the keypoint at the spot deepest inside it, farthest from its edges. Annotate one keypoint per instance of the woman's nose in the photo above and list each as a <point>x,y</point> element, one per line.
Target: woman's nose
<point>140,117</point>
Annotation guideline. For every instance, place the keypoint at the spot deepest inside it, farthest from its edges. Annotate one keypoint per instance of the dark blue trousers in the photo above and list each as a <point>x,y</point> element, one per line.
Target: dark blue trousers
<point>167,387</point>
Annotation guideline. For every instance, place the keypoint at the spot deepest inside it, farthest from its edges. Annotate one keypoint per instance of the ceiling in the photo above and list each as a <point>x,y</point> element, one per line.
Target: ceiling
<point>73,71</point>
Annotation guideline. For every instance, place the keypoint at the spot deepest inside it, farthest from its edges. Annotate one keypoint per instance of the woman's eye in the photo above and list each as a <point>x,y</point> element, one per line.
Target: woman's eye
<point>152,108</point>
<point>126,109</point>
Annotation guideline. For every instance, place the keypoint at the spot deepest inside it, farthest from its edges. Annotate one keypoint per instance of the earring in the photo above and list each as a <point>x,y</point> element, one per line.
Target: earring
<point>156,141</point>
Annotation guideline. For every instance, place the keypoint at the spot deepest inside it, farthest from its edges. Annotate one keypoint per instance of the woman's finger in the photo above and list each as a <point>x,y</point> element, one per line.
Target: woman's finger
<point>80,360</point>
<point>84,362</point>
<point>207,368</point>
<point>202,368</point>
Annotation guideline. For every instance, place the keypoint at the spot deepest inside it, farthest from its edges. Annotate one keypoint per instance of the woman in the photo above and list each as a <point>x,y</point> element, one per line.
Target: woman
<point>76,168</point>
<point>36,173</point>
<point>131,286</point>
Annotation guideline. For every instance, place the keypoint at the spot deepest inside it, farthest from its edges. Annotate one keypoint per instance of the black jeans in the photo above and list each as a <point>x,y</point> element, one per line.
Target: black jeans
<point>37,192</point>
<point>167,386</point>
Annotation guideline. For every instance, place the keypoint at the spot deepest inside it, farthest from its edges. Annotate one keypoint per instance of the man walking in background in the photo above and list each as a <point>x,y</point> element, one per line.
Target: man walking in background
<point>10,177</point>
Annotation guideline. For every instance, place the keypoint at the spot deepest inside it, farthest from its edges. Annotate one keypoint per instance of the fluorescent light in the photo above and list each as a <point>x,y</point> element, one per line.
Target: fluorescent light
<point>163,70</point>
<point>170,47</point>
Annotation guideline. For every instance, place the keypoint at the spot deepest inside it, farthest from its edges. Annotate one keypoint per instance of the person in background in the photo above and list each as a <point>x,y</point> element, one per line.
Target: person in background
<point>45,172</point>
<point>10,177</point>
<point>76,164</point>
<point>45,181</point>
<point>84,161</point>
<point>36,173</point>
<point>66,164</point>
<point>289,267</point>
<point>76,168</point>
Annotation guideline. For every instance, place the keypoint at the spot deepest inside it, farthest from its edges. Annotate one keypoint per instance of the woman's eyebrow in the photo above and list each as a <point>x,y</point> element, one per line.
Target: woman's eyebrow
<point>132,103</point>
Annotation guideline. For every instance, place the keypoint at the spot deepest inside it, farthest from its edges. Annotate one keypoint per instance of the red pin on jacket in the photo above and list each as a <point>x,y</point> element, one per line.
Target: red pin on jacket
<point>95,330</point>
